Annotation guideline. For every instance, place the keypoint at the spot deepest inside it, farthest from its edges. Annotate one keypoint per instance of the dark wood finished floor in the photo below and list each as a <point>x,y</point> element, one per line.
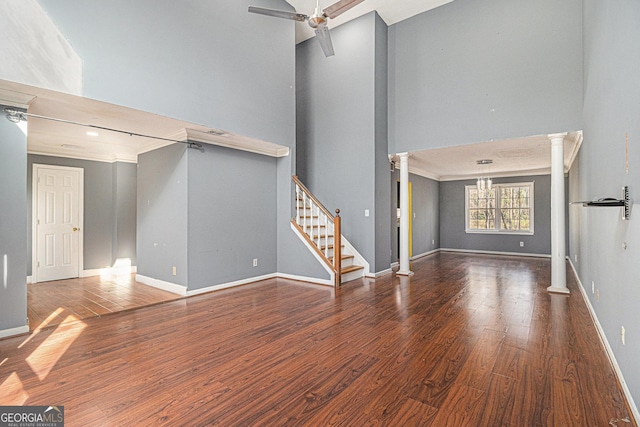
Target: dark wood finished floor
<point>468,341</point>
<point>52,303</point>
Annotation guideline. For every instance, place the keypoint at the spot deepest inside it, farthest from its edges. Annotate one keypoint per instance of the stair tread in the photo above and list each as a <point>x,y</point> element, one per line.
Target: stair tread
<point>329,247</point>
<point>343,256</point>
<point>351,268</point>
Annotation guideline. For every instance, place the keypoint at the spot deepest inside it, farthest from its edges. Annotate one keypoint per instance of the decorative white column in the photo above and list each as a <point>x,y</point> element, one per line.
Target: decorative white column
<point>558,236</point>
<point>404,215</point>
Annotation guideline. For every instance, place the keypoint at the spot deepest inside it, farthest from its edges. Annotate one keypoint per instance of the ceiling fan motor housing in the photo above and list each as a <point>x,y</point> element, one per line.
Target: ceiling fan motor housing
<point>316,21</point>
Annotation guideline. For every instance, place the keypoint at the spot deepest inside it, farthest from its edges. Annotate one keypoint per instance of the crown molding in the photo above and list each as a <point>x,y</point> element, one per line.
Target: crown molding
<point>52,152</point>
<point>15,99</point>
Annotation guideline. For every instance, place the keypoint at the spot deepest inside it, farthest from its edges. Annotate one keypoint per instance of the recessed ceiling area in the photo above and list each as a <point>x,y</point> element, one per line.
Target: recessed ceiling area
<point>510,157</point>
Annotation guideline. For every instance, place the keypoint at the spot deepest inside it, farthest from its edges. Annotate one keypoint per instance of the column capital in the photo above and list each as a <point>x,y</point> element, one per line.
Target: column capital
<point>404,155</point>
<point>557,136</point>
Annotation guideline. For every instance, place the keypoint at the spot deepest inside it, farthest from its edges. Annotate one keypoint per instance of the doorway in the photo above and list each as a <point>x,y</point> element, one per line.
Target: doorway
<point>58,208</point>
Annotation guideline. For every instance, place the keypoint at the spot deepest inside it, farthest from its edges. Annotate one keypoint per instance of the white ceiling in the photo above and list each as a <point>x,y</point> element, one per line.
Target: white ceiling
<point>391,11</point>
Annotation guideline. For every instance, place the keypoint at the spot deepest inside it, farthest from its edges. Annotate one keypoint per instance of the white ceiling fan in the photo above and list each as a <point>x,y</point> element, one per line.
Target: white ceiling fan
<point>317,21</point>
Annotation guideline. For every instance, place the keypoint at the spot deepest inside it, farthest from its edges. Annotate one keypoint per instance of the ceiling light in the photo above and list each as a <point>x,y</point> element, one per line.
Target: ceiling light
<point>484,162</point>
<point>92,133</point>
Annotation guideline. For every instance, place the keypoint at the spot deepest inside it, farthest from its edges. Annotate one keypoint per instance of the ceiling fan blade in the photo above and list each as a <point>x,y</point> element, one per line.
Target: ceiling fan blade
<point>300,17</point>
<point>340,7</point>
<point>322,34</point>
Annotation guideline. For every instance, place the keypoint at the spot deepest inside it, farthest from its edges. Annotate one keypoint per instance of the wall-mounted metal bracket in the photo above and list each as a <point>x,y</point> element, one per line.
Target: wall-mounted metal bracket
<point>625,203</point>
<point>626,209</point>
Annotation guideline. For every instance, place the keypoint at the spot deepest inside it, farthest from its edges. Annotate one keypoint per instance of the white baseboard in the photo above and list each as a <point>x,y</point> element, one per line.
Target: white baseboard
<point>95,272</point>
<point>305,279</point>
<point>92,272</point>
<point>161,284</point>
<point>14,331</point>
<point>230,284</point>
<point>394,265</point>
<point>605,343</point>
<point>382,273</point>
<point>424,254</point>
<point>477,251</point>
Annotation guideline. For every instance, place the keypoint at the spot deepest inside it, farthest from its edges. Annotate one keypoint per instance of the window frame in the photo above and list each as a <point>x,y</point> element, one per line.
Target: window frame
<point>498,223</point>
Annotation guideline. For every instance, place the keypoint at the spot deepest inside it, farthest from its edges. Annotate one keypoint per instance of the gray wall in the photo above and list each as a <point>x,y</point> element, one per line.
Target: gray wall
<point>477,70</point>
<point>452,220</point>
<point>210,63</point>
<point>425,201</point>
<point>341,132</point>
<point>611,110</point>
<point>207,62</point>
<point>425,197</point>
<point>109,209</point>
<point>381,159</point>
<point>13,226</point>
<point>231,216</point>
<point>162,214</point>
<point>125,182</point>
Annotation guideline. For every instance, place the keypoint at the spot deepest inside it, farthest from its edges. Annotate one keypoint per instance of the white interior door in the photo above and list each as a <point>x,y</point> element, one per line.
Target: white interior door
<point>57,222</point>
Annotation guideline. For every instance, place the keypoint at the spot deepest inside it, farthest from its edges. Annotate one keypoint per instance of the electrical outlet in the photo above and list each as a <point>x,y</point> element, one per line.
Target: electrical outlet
<point>522,244</point>
<point>433,241</point>
<point>366,212</point>
<point>255,262</point>
<point>174,270</point>
<point>575,257</point>
<point>597,295</point>
<point>593,287</point>
<point>622,332</point>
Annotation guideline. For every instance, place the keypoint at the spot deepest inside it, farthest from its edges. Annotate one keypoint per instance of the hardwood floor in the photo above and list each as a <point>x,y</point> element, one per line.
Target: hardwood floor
<point>469,340</point>
<point>52,303</point>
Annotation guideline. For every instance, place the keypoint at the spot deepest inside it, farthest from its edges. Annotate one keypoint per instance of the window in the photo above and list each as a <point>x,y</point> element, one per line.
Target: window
<point>506,208</point>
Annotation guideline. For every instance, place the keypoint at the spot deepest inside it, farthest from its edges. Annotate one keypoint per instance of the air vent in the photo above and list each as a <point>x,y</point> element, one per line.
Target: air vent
<point>216,132</point>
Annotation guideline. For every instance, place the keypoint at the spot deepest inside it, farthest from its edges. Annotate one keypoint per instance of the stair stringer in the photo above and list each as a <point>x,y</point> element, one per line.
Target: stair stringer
<point>324,265</point>
<point>357,258</point>
<point>348,249</point>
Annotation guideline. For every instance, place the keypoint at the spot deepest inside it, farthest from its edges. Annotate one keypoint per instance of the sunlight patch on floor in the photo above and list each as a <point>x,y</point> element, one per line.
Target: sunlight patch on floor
<point>47,354</point>
<point>12,391</point>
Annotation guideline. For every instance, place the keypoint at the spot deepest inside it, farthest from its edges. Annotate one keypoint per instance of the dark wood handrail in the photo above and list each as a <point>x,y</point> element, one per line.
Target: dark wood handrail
<point>312,197</point>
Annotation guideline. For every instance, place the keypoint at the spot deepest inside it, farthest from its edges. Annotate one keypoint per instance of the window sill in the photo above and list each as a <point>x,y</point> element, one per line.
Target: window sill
<point>505,232</point>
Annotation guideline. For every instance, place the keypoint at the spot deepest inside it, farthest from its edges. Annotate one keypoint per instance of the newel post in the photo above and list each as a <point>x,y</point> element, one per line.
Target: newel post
<point>337,249</point>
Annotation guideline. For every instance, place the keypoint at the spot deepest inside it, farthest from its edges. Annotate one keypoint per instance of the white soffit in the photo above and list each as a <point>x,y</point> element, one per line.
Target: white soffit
<point>230,140</point>
<point>55,138</point>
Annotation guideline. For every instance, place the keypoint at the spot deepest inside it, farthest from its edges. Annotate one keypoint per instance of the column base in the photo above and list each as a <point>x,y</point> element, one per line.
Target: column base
<point>556,290</point>
<point>404,273</point>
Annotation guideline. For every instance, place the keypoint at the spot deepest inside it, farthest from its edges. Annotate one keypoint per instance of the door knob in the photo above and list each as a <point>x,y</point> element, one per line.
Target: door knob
<point>75,229</point>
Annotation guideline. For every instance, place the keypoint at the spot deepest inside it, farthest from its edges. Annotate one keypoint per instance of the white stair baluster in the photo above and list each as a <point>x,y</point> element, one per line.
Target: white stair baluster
<point>304,218</point>
<point>297,204</point>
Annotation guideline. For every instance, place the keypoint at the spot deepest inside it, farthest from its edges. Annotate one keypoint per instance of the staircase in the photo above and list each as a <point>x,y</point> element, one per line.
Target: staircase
<point>321,231</point>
